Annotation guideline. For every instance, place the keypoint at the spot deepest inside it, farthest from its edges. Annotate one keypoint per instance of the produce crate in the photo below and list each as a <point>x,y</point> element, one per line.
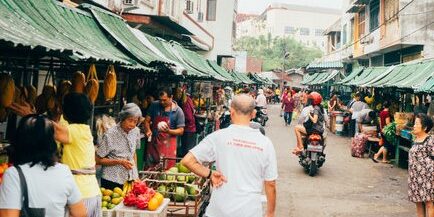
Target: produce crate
<point>192,204</point>
<point>124,211</point>
<point>109,213</point>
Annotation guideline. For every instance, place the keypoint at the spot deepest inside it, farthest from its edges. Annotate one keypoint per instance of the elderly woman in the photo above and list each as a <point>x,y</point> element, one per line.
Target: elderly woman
<point>117,151</point>
<point>421,167</point>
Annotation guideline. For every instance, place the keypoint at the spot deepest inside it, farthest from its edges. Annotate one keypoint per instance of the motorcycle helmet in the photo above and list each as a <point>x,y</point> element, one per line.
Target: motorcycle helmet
<point>316,98</point>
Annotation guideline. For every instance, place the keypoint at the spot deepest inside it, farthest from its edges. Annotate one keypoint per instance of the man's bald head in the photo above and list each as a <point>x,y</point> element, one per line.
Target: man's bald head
<point>243,104</point>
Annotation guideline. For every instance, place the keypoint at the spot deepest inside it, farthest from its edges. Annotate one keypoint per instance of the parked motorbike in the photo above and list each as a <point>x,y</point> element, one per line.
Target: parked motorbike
<point>261,116</point>
<point>312,156</point>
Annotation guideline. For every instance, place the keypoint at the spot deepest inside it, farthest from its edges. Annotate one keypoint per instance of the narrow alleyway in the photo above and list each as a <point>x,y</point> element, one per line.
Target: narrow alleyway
<point>344,187</point>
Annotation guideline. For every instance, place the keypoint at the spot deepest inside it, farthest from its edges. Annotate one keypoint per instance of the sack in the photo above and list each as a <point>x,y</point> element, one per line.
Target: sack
<point>358,144</point>
<point>26,211</point>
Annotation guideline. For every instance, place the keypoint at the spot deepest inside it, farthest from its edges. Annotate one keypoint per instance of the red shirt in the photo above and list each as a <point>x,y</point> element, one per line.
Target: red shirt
<point>288,105</point>
<point>383,116</point>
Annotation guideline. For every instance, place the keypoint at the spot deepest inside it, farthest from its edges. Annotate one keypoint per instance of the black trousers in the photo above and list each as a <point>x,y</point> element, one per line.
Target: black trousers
<point>109,184</point>
<point>352,128</point>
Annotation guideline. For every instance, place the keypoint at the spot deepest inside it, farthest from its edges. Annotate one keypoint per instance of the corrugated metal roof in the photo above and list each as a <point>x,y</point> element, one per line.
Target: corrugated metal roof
<point>351,76</point>
<point>197,62</point>
<point>167,49</point>
<point>47,24</point>
<point>326,65</point>
<point>119,30</point>
<point>220,70</point>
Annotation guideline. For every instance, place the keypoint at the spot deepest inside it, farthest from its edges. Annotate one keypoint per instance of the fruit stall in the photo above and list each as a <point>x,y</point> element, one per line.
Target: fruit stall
<point>159,192</point>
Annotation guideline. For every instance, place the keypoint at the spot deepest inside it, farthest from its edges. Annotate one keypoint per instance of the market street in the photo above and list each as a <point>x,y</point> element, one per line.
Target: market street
<point>345,186</point>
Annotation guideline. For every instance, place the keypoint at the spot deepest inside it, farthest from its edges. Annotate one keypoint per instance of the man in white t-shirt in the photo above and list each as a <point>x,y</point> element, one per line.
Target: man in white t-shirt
<point>245,164</point>
<point>261,100</point>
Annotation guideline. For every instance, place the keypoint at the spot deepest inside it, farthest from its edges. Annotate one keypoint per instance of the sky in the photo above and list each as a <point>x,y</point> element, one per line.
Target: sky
<point>258,6</point>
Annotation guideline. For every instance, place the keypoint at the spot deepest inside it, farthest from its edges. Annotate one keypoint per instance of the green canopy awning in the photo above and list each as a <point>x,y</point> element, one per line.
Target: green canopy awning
<point>197,62</point>
<point>356,72</point>
<point>121,32</point>
<point>220,70</point>
<point>167,49</point>
<point>54,27</point>
<point>242,78</point>
<point>367,76</point>
<point>325,65</point>
<point>428,86</point>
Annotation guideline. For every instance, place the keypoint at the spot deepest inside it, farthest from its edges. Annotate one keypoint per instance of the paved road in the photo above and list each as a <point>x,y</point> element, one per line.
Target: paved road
<point>344,187</point>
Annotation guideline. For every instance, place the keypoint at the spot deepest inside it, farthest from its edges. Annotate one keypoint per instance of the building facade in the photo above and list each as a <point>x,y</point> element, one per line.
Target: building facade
<point>303,23</point>
<point>383,32</point>
<point>206,26</point>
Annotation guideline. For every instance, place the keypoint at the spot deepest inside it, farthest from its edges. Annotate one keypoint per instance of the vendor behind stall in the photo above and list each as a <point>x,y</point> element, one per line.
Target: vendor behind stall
<point>117,151</point>
<point>164,122</point>
<point>366,116</point>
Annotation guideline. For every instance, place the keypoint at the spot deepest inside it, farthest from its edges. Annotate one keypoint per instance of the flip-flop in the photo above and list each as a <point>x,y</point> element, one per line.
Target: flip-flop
<point>385,162</point>
<point>375,160</point>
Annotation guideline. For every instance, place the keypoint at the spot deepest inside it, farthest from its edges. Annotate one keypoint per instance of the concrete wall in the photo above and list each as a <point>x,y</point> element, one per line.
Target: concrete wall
<point>254,64</point>
<point>241,61</point>
<point>417,26</point>
<point>278,16</point>
<point>222,29</point>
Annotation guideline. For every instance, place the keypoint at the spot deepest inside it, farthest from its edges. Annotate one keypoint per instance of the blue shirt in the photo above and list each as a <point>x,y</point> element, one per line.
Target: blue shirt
<point>176,115</point>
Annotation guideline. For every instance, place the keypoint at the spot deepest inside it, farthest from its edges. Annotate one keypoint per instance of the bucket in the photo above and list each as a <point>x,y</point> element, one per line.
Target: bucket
<point>339,117</point>
<point>339,129</point>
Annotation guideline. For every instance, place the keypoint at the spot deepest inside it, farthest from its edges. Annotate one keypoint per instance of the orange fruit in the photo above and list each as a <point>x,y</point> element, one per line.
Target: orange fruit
<point>153,204</point>
<point>159,197</point>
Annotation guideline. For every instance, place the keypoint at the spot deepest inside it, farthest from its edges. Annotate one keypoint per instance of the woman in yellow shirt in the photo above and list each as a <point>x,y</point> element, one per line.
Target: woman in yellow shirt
<point>77,149</point>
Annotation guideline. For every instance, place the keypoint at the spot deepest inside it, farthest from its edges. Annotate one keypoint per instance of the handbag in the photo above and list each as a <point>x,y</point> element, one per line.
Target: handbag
<point>26,211</point>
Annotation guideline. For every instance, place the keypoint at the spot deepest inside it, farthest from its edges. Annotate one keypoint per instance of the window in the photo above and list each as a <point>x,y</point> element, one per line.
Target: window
<point>344,34</point>
<point>304,31</point>
<point>211,10</point>
<point>290,30</point>
<point>128,2</point>
<point>319,32</point>
<point>361,22</point>
<point>374,10</point>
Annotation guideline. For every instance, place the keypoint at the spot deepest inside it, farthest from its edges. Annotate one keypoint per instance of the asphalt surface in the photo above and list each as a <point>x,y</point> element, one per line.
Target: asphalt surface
<point>344,186</point>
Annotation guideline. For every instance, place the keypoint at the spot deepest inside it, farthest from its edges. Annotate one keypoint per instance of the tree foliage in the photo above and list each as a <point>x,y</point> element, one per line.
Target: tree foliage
<point>272,51</point>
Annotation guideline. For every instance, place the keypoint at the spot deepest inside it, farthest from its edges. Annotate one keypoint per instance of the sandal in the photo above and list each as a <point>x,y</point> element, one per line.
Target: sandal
<point>375,160</point>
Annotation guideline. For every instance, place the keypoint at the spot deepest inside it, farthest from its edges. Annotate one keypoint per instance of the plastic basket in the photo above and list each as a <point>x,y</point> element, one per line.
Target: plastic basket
<point>109,213</point>
<point>124,211</point>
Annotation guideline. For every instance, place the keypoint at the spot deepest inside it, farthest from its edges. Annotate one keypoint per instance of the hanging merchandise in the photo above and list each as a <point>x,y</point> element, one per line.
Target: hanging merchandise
<point>7,87</point>
<point>47,100</point>
<point>64,88</point>
<point>78,82</point>
<point>31,94</point>
<point>92,85</point>
<point>110,83</point>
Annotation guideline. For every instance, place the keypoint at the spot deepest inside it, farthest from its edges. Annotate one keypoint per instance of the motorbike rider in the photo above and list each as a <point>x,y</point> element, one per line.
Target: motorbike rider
<point>261,100</point>
<point>314,122</point>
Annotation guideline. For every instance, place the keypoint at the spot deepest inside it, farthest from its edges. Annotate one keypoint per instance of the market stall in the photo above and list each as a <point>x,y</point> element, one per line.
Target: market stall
<point>407,87</point>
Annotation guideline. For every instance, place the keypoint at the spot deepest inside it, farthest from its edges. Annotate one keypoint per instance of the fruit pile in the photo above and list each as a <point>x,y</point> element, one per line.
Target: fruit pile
<point>111,198</point>
<point>177,184</point>
<point>3,168</point>
<point>142,197</point>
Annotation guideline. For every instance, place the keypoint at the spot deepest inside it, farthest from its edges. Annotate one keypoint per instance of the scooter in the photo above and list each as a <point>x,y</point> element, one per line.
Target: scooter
<point>261,116</point>
<point>312,157</point>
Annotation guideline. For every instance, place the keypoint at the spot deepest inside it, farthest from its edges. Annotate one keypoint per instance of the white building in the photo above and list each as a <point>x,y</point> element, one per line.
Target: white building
<point>206,26</point>
<point>304,23</point>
